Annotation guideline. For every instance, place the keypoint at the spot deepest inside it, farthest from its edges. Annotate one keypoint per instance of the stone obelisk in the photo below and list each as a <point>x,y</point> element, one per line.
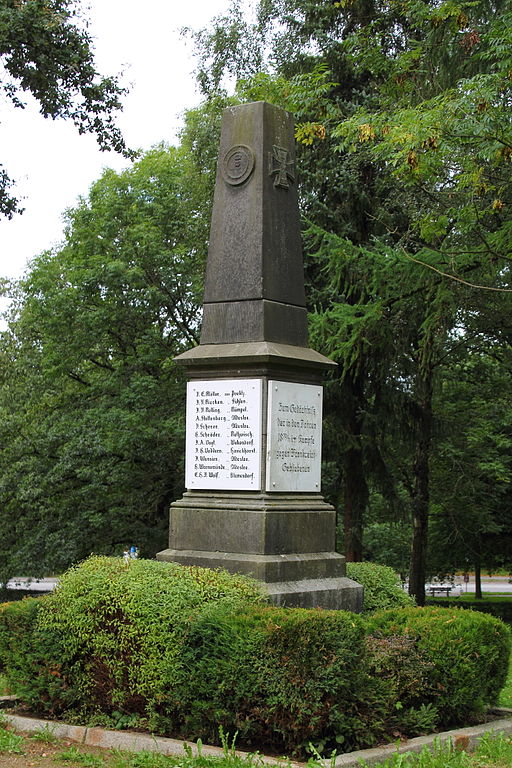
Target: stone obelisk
<point>254,394</point>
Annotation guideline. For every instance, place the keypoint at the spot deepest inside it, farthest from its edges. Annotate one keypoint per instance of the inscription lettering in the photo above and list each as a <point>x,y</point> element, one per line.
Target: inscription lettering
<point>223,446</point>
<point>294,437</point>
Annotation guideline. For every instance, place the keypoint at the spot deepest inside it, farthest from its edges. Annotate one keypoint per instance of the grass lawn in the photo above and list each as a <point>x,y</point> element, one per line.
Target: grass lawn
<point>469,597</point>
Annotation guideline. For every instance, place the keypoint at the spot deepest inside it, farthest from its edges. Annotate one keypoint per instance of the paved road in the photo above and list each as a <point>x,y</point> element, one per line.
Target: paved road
<point>25,583</point>
<point>494,584</point>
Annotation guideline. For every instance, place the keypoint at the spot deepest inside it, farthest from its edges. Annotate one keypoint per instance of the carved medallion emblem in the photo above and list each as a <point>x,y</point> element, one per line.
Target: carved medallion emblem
<point>237,164</point>
<point>280,166</point>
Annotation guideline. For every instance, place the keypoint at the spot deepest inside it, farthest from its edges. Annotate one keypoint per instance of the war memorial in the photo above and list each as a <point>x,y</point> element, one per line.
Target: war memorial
<point>253,502</point>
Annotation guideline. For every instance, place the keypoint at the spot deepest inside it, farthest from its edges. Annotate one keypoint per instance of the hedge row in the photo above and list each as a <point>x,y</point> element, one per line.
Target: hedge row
<point>501,610</point>
<point>186,650</point>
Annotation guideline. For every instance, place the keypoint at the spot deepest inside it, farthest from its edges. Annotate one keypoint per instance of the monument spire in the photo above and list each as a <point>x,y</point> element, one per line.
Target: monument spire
<point>254,289</point>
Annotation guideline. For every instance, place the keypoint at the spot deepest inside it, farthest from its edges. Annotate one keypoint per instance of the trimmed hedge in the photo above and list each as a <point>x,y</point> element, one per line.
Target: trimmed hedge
<point>30,657</point>
<point>405,671</point>
<point>112,632</point>
<point>468,653</point>
<point>501,610</point>
<point>382,588</point>
<point>279,677</point>
<point>186,650</point>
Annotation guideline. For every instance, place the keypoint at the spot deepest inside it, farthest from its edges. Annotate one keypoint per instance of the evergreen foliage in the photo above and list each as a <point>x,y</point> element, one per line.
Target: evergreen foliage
<point>469,652</point>
<point>382,588</point>
<point>185,650</point>
<point>403,122</point>
<point>404,134</point>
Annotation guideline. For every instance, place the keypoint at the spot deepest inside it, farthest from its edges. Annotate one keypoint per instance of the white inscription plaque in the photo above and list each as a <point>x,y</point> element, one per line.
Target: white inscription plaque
<point>294,441</point>
<point>223,439</point>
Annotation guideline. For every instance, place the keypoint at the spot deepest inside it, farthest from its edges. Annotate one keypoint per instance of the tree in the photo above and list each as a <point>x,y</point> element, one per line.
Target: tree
<point>91,403</point>
<point>403,114</point>
<point>46,50</point>
<point>472,469</point>
<point>442,125</point>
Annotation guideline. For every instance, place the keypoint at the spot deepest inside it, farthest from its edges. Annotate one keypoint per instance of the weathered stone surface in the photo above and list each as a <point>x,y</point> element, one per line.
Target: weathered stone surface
<point>59,730</point>
<point>269,359</point>
<point>339,594</point>
<point>467,738</point>
<point>266,568</point>
<point>252,523</point>
<point>255,321</point>
<point>255,255</point>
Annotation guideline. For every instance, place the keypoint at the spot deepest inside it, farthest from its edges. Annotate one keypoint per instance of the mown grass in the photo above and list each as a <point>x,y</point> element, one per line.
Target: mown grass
<point>469,597</point>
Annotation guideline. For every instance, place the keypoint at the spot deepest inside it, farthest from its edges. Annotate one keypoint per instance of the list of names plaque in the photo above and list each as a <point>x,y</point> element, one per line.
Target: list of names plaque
<point>294,440</point>
<point>223,441</point>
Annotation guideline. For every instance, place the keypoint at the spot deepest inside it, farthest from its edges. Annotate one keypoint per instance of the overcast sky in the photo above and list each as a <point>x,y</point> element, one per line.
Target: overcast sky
<point>52,164</point>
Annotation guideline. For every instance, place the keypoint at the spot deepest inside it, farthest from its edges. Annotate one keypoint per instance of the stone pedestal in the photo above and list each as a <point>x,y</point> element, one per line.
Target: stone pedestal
<point>255,332</point>
<point>285,541</point>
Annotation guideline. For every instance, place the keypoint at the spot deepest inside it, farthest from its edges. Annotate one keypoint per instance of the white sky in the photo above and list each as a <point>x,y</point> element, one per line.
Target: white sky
<point>52,164</point>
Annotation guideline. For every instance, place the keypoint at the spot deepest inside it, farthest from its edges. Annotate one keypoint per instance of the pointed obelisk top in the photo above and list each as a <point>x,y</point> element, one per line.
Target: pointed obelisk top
<point>254,279</point>
<point>254,312</point>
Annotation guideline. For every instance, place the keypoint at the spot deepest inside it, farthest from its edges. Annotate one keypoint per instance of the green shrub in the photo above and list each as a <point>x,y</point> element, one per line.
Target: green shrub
<point>381,584</point>
<point>501,609</point>
<point>188,650</point>
<point>116,631</point>
<point>405,672</point>
<point>279,677</point>
<point>31,657</point>
<point>468,652</point>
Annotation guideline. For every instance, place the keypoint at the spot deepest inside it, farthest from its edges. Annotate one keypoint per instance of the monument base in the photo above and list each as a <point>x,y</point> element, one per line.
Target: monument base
<point>341,594</point>
<point>301,580</point>
<point>273,538</point>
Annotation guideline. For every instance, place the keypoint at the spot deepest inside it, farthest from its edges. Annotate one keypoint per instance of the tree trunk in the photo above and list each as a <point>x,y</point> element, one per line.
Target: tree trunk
<point>355,498</point>
<point>355,488</point>
<point>420,494</point>
<point>478,579</point>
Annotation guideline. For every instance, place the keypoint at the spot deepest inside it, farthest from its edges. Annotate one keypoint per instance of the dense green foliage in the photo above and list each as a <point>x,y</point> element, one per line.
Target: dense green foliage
<point>403,114</point>
<point>91,404</point>
<point>505,699</point>
<point>280,677</point>
<point>382,588</point>
<point>404,157</point>
<point>467,649</point>
<point>186,650</point>
<point>114,632</point>
<point>500,607</point>
<point>29,656</point>
<point>46,50</point>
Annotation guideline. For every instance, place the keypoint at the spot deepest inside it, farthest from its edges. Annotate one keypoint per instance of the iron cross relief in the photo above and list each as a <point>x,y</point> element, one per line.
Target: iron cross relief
<point>281,167</point>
